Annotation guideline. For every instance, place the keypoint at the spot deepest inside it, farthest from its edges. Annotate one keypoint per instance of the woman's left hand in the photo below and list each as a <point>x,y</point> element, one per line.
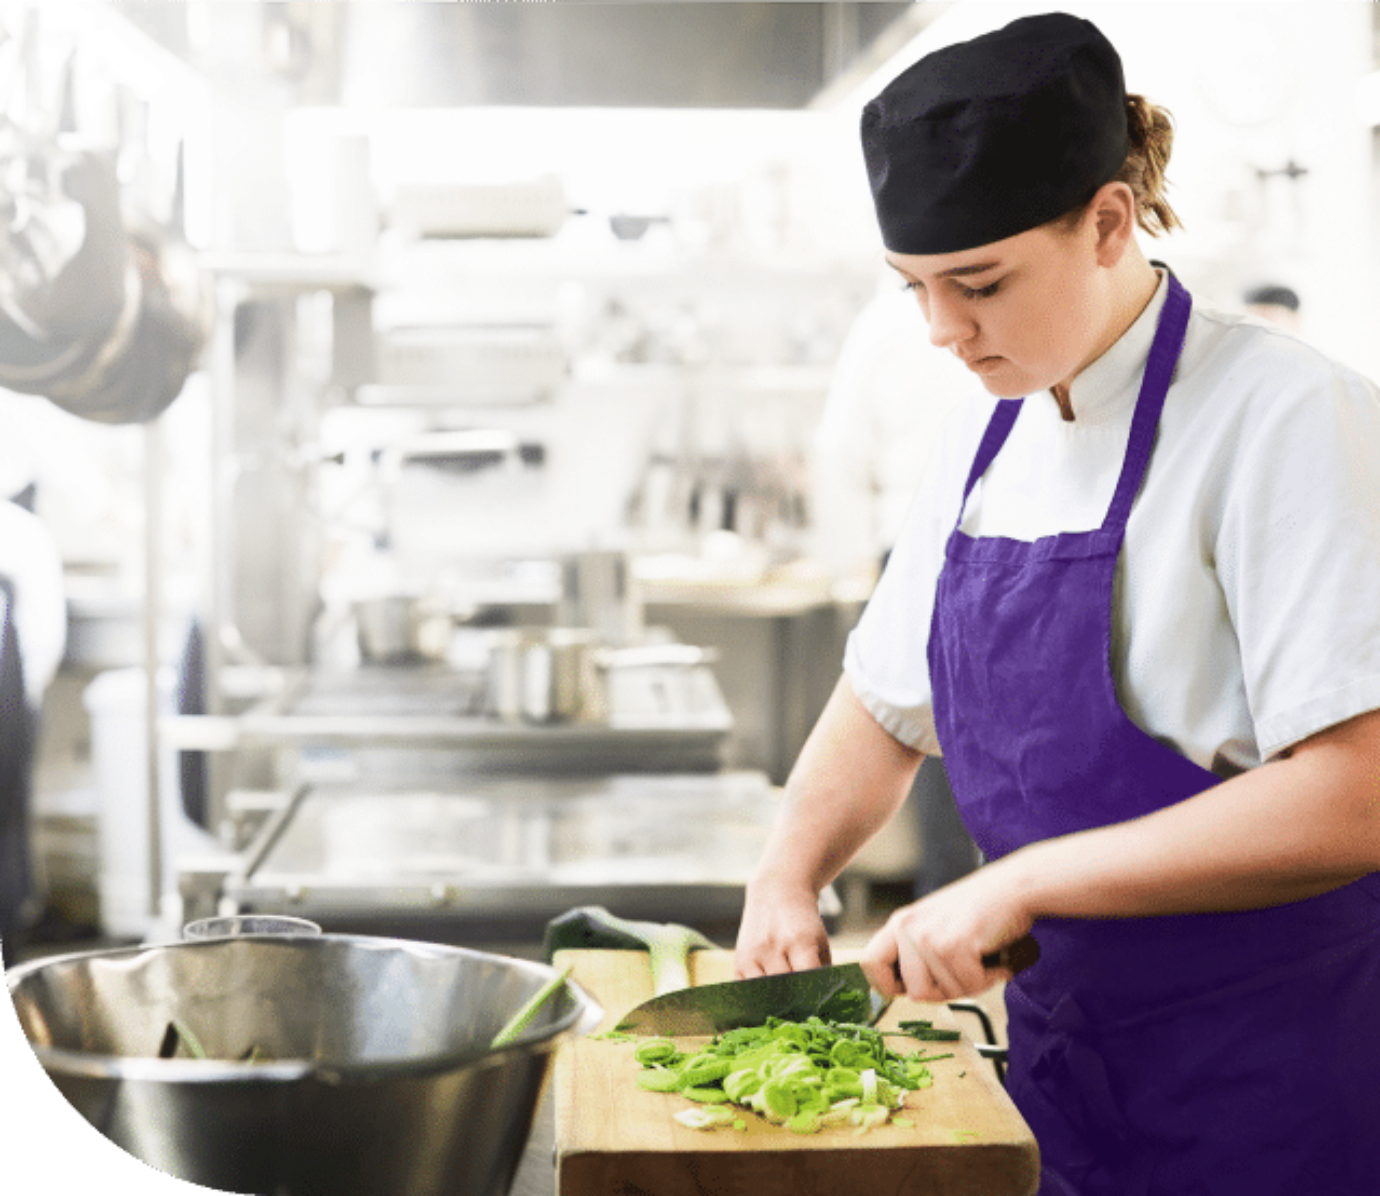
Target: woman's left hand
<point>933,949</point>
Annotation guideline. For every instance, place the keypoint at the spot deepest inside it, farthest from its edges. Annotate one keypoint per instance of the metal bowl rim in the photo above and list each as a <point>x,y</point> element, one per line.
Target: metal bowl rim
<point>586,1014</point>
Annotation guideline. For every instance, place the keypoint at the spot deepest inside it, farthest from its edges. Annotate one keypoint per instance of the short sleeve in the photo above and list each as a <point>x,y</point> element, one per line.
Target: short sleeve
<point>1298,551</point>
<point>885,658</point>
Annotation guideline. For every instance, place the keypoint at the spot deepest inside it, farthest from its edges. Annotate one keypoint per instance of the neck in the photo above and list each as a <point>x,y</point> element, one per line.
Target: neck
<point>1132,286</point>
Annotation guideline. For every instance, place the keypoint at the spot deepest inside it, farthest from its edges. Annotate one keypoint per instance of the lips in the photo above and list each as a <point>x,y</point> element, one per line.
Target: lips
<point>982,365</point>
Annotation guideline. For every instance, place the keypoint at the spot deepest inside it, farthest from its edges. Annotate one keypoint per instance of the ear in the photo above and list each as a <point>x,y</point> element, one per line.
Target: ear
<point>1113,215</point>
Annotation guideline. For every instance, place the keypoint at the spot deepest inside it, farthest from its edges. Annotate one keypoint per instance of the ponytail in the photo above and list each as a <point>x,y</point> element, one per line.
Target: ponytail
<point>1151,131</point>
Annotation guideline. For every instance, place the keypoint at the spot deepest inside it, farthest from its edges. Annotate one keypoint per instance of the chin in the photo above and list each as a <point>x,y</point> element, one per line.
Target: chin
<point>1005,389</point>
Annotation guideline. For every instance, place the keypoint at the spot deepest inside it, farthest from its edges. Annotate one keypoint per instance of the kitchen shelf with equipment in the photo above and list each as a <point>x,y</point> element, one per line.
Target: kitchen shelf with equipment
<point>409,800</point>
<point>415,416</point>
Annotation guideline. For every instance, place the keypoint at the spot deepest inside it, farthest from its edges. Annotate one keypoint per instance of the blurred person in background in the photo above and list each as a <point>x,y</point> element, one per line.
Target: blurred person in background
<point>33,636</point>
<point>1274,302</point>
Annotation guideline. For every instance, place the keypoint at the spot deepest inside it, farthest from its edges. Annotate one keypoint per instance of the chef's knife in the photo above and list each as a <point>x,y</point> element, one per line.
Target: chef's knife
<point>840,993</point>
<point>712,1008</point>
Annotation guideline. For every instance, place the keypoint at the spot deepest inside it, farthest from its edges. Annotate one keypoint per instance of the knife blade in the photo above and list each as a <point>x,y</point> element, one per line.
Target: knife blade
<point>713,1008</point>
<point>840,992</point>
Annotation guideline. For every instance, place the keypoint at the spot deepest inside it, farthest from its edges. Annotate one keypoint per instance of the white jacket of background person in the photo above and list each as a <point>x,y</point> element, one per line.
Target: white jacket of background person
<point>29,558</point>
<point>890,393</point>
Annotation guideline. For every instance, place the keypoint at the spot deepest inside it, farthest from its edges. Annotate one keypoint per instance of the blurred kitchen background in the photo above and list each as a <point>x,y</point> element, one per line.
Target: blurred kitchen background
<point>480,568</point>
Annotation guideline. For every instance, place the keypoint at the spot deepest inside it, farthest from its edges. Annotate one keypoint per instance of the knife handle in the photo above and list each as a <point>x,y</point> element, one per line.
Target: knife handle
<point>1017,956</point>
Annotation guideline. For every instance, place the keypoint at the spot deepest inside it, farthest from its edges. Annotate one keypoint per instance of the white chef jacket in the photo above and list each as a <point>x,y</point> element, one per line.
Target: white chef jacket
<point>1246,605</point>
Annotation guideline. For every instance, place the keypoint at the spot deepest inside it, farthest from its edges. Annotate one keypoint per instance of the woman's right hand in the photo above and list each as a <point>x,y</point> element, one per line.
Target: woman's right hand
<point>781,931</point>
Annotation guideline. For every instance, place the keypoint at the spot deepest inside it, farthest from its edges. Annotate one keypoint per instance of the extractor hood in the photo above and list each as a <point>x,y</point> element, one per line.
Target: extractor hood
<point>370,54</point>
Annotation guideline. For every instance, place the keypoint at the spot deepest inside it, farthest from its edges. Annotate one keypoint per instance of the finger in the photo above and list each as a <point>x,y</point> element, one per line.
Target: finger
<point>969,976</point>
<point>879,964</point>
<point>746,967</point>
<point>761,959</point>
<point>945,976</point>
<point>961,971</point>
<point>807,955</point>
<point>773,959</point>
<point>938,972</point>
<point>913,968</point>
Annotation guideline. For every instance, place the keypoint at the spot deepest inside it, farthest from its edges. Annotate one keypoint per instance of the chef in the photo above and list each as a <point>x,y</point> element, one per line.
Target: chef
<point>1133,607</point>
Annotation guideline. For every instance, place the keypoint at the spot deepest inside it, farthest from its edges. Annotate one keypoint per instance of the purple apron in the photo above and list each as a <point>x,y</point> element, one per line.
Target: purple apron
<point>1228,1054</point>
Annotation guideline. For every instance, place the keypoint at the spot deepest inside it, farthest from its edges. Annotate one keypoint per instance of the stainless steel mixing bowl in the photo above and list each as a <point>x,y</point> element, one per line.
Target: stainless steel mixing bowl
<point>380,1080</point>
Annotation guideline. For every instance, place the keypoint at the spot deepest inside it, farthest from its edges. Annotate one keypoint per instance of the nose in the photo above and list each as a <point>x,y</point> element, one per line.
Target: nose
<point>950,323</point>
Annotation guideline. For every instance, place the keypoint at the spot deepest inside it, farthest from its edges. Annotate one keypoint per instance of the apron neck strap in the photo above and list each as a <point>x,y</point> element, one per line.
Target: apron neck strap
<point>1154,385</point>
<point>998,429</point>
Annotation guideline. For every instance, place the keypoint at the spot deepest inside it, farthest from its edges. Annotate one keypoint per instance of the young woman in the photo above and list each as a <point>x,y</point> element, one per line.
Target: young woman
<point>1135,612</point>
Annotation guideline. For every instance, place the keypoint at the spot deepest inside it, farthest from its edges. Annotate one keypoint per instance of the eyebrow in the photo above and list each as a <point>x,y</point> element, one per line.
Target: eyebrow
<point>954,271</point>
<point>960,271</point>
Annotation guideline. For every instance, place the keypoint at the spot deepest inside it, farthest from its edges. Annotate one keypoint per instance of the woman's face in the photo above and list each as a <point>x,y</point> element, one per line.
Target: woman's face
<point>1024,314</point>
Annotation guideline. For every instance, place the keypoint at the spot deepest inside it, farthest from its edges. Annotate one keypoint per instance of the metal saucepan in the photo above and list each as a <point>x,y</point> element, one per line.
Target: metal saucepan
<point>379,1079</point>
<point>544,674</point>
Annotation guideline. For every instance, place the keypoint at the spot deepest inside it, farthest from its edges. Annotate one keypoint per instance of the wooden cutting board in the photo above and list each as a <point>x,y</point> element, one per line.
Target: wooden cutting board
<point>614,1139</point>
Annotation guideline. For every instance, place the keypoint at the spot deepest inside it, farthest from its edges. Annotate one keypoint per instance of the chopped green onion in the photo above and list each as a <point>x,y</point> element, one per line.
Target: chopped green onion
<point>659,1079</point>
<point>656,1050</point>
<point>702,1118</point>
<point>805,1076</point>
<point>705,1095</point>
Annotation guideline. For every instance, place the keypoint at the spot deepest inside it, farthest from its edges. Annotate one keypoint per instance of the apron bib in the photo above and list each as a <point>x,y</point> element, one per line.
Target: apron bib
<point>1231,1054</point>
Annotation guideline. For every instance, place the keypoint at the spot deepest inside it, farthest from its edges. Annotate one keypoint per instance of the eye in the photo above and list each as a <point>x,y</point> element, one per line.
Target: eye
<point>966,292</point>
<point>978,292</point>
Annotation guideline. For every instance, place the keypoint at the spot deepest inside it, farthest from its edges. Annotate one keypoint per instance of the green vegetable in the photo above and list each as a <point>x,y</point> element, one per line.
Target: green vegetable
<point>741,1084</point>
<point>188,1039</point>
<point>656,1051</point>
<point>927,1032</point>
<point>659,1079</point>
<point>700,1071</point>
<point>179,1036</point>
<point>802,1075</point>
<point>702,1118</point>
<point>846,1006</point>
<point>705,1095</point>
<point>523,1017</point>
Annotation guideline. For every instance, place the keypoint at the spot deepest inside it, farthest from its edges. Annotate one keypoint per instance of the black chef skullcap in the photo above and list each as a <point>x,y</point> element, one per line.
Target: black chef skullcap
<point>1273,294</point>
<point>993,136</point>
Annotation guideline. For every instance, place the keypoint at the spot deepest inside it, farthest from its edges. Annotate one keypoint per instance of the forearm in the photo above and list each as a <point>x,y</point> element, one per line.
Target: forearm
<point>850,778</point>
<point>1288,830</point>
<point>1291,829</point>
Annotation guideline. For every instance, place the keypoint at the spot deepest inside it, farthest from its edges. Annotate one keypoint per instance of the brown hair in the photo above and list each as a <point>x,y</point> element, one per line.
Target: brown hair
<point>1151,132</point>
